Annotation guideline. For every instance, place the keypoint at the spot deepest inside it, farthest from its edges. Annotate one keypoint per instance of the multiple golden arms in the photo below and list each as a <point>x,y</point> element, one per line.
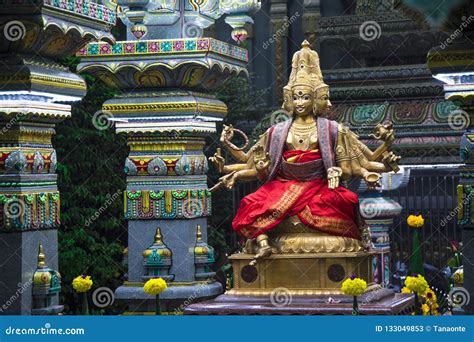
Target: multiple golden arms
<point>238,154</point>
<point>256,162</point>
<point>356,159</point>
<point>384,133</point>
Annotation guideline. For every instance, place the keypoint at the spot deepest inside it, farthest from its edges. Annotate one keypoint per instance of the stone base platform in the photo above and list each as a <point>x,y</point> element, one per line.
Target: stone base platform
<point>302,284</point>
<point>377,302</point>
<point>173,301</point>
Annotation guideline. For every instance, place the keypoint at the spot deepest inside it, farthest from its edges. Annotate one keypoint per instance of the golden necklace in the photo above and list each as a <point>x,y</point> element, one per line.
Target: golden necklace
<point>302,135</point>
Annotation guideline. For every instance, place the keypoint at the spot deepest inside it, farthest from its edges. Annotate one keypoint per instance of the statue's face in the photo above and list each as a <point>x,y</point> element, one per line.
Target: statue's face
<point>302,100</point>
<point>288,100</point>
<point>322,101</point>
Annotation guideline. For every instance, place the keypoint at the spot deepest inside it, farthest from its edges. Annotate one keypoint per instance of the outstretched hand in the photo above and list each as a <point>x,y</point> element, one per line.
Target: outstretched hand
<point>218,160</point>
<point>227,134</point>
<point>261,159</point>
<point>391,160</point>
<point>228,181</point>
<point>384,133</point>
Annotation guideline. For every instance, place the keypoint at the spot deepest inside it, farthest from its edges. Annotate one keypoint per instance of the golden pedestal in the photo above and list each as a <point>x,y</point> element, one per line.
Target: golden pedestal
<point>306,274</point>
<point>302,284</point>
<point>304,262</point>
<point>303,276</point>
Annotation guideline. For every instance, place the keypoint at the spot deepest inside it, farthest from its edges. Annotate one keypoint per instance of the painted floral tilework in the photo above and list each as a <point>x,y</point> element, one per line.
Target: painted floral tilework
<point>165,46</point>
<point>83,7</point>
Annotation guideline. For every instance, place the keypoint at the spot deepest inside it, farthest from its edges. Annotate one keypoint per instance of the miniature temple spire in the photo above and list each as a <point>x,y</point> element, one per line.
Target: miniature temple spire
<point>46,287</point>
<point>41,257</point>
<point>157,259</point>
<point>198,233</point>
<point>203,257</point>
<point>158,239</point>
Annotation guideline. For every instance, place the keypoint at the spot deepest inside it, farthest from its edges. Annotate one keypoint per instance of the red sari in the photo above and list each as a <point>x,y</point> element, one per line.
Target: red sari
<point>329,211</point>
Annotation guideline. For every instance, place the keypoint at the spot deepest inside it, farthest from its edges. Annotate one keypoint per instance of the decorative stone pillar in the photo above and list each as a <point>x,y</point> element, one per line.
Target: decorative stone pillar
<point>34,94</point>
<point>166,111</point>
<point>379,212</point>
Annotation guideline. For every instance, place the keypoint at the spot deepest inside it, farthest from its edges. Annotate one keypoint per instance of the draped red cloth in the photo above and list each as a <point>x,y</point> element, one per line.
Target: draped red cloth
<point>318,207</point>
<point>299,156</point>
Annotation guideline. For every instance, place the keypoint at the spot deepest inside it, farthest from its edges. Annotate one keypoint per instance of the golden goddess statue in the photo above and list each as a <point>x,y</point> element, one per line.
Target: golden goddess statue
<point>302,161</point>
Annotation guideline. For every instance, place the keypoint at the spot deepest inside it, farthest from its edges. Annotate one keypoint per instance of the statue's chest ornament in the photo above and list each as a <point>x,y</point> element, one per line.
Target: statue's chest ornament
<point>302,136</point>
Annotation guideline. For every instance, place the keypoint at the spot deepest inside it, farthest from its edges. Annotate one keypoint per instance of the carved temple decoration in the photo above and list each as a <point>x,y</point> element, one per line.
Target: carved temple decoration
<point>37,93</point>
<point>166,109</point>
<point>398,86</point>
<point>46,287</point>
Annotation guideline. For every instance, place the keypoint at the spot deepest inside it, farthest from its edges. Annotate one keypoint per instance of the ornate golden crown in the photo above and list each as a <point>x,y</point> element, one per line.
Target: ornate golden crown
<point>305,69</point>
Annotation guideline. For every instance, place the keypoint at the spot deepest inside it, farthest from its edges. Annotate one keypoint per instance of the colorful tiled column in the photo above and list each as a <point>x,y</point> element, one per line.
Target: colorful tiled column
<point>379,212</point>
<point>34,95</point>
<point>166,109</point>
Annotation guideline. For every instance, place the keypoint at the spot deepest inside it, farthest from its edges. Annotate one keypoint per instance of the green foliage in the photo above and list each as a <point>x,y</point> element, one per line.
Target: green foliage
<point>90,182</point>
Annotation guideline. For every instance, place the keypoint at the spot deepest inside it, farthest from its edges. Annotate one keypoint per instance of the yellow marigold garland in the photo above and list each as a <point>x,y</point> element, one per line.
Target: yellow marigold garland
<point>415,221</point>
<point>429,300</point>
<point>406,290</point>
<point>354,286</point>
<point>155,286</point>
<point>82,283</point>
<point>417,284</point>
